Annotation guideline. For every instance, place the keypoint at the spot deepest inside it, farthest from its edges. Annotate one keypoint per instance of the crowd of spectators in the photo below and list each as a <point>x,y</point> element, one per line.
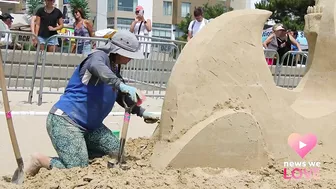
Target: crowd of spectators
<point>46,21</point>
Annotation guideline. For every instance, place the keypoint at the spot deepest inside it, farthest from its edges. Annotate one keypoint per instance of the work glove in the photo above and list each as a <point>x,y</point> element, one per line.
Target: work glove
<point>150,117</point>
<point>132,91</point>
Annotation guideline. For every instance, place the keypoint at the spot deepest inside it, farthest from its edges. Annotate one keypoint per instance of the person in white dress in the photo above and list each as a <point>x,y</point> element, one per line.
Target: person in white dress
<point>142,27</point>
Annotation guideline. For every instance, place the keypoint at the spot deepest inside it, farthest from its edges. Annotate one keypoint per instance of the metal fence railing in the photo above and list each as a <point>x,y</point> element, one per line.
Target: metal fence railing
<point>292,68</point>
<point>20,59</point>
<point>272,59</point>
<point>179,44</point>
<point>150,74</point>
<point>288,70</point>
<point>58,65</point>
<point>28,67</point>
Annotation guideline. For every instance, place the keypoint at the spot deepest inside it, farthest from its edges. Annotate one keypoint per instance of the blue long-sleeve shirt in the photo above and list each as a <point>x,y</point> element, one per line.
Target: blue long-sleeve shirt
<point>92,91</point>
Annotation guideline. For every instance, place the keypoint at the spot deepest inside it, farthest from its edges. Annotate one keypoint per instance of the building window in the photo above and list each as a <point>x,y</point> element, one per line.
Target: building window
<point>161,33</point>
<point>159,25</point>
<point>110,5</point>
<point>167,8</point>
<point>125,21</point>
<point>127,5</point>
<point>110,21</point>
<point>185,9</point>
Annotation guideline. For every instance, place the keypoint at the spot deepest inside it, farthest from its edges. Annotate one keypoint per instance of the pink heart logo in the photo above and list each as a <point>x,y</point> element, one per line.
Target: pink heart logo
<point>302,144</point>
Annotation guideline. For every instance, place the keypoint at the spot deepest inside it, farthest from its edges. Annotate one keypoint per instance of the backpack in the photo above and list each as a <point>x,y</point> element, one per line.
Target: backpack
<point>194,21</point>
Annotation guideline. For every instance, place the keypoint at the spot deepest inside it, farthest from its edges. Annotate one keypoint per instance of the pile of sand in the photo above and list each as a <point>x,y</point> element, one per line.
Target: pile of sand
<point>141,175</point>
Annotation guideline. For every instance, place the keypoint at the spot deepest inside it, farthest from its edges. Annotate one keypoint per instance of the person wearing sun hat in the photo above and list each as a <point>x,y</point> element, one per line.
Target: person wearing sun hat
<point>285,42</point>
<point>75,123</point>
<point>281,42</point>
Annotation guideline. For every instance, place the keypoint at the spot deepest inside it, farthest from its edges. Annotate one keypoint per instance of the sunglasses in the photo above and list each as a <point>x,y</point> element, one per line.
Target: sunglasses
<point>139,11</point>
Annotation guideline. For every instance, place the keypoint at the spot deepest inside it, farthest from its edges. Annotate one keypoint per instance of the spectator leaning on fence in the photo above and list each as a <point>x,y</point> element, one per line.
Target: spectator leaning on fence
<point>48,21</point>
<point>75,123</point>
<point>83,28</point>
<point>271,44</point>
<point>197,24</point>
<point>285,42</point>
<point>6,24</point>
<point>271,41</point>
<point>281,41</point>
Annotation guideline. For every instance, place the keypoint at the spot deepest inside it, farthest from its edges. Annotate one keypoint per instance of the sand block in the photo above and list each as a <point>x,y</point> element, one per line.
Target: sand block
<point>210,143</point>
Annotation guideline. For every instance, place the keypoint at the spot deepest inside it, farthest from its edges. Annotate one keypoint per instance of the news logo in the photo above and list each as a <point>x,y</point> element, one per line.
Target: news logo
<point>302,145</point>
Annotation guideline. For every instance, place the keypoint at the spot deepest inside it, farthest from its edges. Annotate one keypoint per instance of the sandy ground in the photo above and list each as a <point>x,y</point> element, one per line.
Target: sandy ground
<point>31,131</point>
<point>32,137</point>
<point>141,175</point>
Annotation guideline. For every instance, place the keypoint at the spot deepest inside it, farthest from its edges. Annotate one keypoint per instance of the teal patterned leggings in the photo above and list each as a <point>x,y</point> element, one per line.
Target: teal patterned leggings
<point>74,146</point>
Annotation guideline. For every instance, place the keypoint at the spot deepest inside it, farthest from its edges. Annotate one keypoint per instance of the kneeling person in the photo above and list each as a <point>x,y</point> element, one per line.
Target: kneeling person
<point>75,123</point>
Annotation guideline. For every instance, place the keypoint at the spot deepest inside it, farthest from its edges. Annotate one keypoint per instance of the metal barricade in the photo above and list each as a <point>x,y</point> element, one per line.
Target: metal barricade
<point>179,44</point>
<point>150,74</point>
<point>59,65</point>
<point>291,69</point>
<point>272,59</point>
<point>20,58</point>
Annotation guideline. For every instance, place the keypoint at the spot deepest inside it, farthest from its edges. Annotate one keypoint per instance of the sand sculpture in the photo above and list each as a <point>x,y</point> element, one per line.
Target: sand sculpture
<point>312,25</point>
<point>318,96</point>
<point>222,108</point>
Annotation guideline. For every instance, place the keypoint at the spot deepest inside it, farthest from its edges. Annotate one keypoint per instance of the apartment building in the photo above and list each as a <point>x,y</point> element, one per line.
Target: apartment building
<point>165,14</point>
<point>244,4</point>
<point>12,6</point>
<point>183,7</point>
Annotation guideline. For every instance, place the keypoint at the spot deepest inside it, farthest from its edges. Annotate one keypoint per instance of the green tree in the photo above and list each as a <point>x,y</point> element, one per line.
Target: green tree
<point>83,4</point>
<point>288,12</point>
<point>183,27</point>
<point>33,5</point>
<point>214,11</point>
<point>209,12</point>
